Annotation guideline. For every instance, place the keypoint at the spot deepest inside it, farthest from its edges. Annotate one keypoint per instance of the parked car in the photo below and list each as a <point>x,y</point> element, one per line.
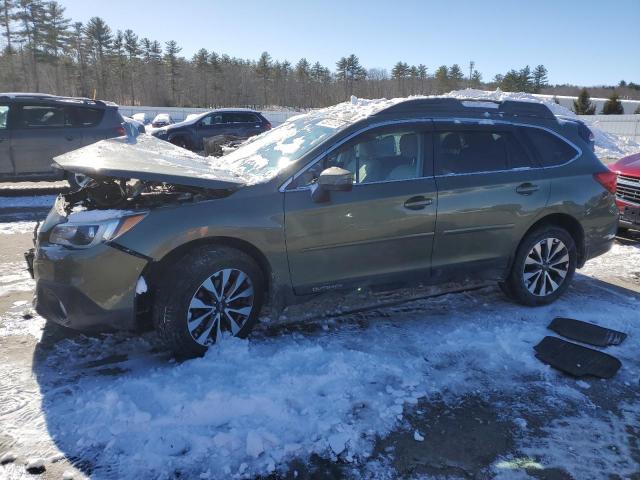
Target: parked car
<point>141,117</point>
<point>628,191</point>
<point>223,123</point>
<point>162,120</point>
<point>136,126</point>
<point>36,127</point>
<point>394,193</point>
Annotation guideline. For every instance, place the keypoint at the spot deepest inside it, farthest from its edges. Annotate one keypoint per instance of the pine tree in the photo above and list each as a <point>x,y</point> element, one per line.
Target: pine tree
<point>540,80</point>
<point>400,72</point>
<point>31,16</point>
<point>56,37</point>
<point>171,61</point>
<point>6,17</point>
<point>132,47</point>
<point>264,72</point>
<point>476,79</point>
<point>455,77</point>
<point>613,106</point>
<point>349,71</point>
<point>442,79</point>
<point>583,105</point>
<point>422,77</point>
<point>99,41</point>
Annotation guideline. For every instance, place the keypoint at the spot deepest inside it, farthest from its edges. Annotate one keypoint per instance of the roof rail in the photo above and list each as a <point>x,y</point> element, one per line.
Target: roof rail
<point>465,106</point>
<point>47,96</point>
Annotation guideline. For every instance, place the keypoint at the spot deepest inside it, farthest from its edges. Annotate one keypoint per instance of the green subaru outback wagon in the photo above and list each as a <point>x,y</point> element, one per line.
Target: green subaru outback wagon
<point>396,192</point>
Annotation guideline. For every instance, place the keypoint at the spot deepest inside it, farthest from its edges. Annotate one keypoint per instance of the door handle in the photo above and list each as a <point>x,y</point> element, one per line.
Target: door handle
<point>69,137</point>
<point>527,188</point>
<point>417,202</point>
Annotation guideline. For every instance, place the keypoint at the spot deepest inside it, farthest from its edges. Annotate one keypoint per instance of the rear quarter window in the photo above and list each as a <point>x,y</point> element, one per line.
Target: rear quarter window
<point>549,149</point>
<point>85,117</point>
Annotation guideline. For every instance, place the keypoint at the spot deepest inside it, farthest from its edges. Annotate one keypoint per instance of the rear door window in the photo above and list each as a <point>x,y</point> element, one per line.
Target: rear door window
<point>42,116</point>
<point>550,150</point>
<point>85,116</point>
<point>479,150</point>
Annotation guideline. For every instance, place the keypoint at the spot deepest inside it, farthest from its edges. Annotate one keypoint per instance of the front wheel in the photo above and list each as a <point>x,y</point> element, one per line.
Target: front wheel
<point>211,292</point>
<point>543,267</point>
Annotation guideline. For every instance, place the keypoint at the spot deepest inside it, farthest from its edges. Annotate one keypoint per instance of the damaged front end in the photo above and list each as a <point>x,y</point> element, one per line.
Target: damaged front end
<point>85,278</point>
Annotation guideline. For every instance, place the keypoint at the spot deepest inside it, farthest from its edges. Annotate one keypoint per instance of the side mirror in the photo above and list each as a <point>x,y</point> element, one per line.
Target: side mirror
<point>332,179</point>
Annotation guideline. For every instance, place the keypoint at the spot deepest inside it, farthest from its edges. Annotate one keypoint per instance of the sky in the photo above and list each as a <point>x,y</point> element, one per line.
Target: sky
<point>583,42</point>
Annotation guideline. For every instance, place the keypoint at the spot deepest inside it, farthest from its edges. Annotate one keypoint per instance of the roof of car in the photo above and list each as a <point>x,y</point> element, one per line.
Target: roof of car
<point>471,106</point>
<point>56,98</point>
<point>239,110</point>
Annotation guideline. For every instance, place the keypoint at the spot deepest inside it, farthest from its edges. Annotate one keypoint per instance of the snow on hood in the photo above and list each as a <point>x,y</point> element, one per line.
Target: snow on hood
<point>147,158</point>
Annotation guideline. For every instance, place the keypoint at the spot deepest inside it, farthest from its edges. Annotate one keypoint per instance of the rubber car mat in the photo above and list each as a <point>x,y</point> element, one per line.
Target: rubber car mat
<point>575,359</point>
<point>586,332</point>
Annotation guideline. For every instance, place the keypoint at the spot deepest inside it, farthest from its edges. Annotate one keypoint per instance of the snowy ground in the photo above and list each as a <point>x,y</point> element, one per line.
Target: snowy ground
<point>437,387</point>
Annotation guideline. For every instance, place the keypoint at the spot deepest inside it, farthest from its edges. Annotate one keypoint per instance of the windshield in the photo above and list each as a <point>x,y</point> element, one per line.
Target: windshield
<point>263,157</point>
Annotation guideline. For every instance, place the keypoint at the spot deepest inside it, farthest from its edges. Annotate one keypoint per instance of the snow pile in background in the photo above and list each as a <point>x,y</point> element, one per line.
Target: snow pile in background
<point>12,228</point>
<point>608,145</point>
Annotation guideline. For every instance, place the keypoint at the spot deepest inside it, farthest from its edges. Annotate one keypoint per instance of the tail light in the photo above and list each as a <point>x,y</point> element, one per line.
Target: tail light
<point>268,125</point>
<point>607,179</point>
<point>121,131</point>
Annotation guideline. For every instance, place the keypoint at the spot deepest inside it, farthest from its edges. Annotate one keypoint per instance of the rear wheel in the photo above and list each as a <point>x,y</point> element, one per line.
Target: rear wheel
<point>211,292</point>
<point>543,267</point>
<point>180,142</point>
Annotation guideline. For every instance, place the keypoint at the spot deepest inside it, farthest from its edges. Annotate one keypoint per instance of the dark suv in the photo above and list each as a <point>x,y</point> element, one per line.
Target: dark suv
<point>223,125</point>
<point>34,128</point>
<point>360,194</point>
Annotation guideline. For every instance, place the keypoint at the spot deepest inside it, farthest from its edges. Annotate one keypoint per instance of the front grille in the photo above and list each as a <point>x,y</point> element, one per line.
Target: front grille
<point>628,188</point>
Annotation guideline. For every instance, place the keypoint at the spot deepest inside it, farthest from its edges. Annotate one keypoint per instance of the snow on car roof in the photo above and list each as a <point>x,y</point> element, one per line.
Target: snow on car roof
<point>607,145</point>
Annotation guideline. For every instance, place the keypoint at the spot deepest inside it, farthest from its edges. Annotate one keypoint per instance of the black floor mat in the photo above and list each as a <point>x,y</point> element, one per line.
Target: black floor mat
<point>586,332</point>
<point>575,359</point>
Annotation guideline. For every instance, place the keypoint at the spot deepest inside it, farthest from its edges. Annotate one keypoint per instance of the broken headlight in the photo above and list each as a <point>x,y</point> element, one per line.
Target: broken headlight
<point>78,234</point>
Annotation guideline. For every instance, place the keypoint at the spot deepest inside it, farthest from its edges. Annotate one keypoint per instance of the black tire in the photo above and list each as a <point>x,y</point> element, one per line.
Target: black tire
<point>181,142</point>
<point>515,286</point>
<point>185,280</point>
<point>506,289</point>
<point>623,231</point>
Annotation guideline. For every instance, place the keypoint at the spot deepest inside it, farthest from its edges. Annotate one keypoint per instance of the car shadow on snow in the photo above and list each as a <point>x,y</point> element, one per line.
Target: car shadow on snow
<point>458,395</point>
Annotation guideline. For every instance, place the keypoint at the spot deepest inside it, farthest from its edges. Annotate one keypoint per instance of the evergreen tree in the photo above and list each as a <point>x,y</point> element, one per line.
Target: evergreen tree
<point>99,41</point>
<point>540,79</point>
<point>400,72</point>
<point>455,77</point>
<point>583,105</point>
<point>56,37</point>
<point>349,71</point>
<point>264,72</point>
<point>613,106</point>
<point>171,61</point>
<point>31,17</point>
<point>422,77</point>
<point>6,16</point>
<point>442,79</point>
<point>476,79</point>
<point>132,47</point>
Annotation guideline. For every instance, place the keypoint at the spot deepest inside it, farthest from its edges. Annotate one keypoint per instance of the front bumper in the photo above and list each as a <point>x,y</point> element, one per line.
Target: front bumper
<point>91,290</point>
<point>629,214</point>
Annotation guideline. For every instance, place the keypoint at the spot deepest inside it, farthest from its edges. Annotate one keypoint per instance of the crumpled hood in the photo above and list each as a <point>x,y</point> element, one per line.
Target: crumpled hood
<point>148,158</point>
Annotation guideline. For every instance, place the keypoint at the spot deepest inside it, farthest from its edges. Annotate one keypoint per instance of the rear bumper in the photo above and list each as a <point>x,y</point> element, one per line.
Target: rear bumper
<point>91,290</point>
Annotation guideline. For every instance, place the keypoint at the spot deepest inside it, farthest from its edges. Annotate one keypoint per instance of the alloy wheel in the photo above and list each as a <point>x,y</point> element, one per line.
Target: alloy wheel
<point>222,304</point>
<point>546,267</point>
